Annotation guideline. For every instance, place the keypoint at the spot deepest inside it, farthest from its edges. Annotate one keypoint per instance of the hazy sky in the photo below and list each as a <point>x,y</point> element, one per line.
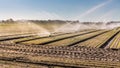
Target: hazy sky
<point>83,10</point>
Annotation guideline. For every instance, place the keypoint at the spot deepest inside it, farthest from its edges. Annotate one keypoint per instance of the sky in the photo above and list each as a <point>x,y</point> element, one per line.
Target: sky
<point>82,10</point>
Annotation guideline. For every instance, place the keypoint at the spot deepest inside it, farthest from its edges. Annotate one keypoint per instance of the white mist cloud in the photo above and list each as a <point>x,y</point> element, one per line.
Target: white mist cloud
<point>107,16</point>
<point>93,9</point>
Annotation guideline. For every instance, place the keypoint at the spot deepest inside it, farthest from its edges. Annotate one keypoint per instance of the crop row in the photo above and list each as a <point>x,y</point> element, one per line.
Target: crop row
<point>56,38</point>
<point>115,43</point>
<point>7,38</point>
<point>73,40</point>
<point>37,37</point>
<point>98,41</point>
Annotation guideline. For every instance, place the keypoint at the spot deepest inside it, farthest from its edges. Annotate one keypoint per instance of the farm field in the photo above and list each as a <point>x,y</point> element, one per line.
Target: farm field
<point>82,38</point>
<point>98,48</point>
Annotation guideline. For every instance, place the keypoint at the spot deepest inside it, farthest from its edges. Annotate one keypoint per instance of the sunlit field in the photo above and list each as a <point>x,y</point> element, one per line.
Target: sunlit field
<point>53,44</point>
